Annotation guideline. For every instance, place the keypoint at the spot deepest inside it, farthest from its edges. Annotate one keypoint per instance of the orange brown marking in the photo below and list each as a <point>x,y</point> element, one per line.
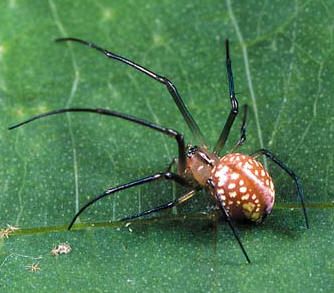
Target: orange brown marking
<point>247,187</point>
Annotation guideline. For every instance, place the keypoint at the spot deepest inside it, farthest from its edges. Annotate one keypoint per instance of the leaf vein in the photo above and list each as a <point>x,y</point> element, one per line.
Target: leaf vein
<point>247,71</point>
<point>74,87</point>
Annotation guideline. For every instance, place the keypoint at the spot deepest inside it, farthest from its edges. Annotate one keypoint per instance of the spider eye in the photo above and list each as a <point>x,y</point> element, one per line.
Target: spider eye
<point>191,151</point>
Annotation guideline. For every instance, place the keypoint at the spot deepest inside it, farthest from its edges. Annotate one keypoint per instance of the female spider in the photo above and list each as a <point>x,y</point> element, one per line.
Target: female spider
<point>239,184</point>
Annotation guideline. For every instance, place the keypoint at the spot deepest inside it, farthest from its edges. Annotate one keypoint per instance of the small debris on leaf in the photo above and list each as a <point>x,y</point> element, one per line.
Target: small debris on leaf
<point>6,232</point>
<point>127,225</point>
<point>33,267</point>
<point>62,248</point>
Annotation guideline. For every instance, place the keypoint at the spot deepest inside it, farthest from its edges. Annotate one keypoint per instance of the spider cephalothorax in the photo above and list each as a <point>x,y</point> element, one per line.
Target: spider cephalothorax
<point>200,163</point>
<point>239,184</point>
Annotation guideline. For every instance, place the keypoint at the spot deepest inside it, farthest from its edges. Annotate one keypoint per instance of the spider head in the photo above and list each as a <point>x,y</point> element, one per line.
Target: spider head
<point>200,162</point>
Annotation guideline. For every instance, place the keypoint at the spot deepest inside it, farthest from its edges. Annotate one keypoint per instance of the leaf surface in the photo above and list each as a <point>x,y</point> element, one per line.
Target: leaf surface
<point>282,56</point>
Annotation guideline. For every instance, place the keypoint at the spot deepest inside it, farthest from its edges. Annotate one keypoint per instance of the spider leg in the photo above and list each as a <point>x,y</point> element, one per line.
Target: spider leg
<point>164,206</point>
<point>110,191</point>
<point>243,128</point>
<point>170,86</point>
<point>167,131</point>
<point>292,174</point>
<point>171,165</point>
<point>232,227</point>
<point>234,103</point>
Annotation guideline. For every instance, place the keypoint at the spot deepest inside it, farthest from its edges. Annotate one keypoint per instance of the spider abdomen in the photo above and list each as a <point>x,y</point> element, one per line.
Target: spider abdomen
<point>244,187</point>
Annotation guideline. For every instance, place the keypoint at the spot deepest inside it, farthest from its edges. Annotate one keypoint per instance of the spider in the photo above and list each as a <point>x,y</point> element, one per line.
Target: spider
<point>238,183</point>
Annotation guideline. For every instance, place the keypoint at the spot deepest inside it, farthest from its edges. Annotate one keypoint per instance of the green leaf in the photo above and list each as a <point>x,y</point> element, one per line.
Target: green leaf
<point>282,56</point>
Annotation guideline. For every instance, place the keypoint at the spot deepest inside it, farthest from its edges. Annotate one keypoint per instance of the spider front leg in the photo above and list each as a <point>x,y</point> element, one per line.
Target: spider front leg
<point>292,174</point>
<point>169,85</point>
<point>167,131</point>
<point>162,175</point>
<point>234,103</point>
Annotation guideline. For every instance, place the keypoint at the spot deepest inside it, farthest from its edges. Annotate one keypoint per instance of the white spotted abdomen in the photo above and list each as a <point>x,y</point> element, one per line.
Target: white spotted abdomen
<point>244,187</point>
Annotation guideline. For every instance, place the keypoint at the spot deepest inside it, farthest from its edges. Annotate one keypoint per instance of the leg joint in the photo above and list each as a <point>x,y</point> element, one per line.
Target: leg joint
<point>235,105</point>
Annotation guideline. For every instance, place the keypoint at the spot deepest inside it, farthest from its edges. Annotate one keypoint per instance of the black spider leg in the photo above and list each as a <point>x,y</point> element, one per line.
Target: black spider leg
<point>168,205</point>
<point>170,86</point>
<point>171,165</point>
<point>234,103</point>
<point>292,174</point>
<point>110,191</point>
<point>181,200</point>
<point>232,227</point>
<point>167,131</point>
<point>243,128</point>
